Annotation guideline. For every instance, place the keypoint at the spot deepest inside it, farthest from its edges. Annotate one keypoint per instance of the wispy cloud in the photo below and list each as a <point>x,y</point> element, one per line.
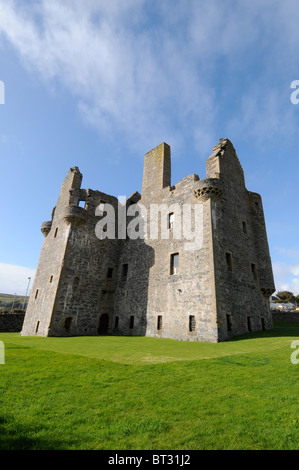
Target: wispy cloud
<point>286,277</point>
<point>124,76</point>
<point>14,279</point>
<point>148,77</point>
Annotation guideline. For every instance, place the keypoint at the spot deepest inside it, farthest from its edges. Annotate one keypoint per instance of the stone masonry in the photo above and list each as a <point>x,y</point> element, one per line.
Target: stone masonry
<point>162,285</point>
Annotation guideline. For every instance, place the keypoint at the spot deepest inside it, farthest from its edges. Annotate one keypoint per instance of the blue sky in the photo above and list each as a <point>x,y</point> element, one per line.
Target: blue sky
<point>97,84</point>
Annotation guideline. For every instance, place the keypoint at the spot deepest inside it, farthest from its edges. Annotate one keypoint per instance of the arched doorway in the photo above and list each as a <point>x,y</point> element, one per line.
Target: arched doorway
<point>104,323</point>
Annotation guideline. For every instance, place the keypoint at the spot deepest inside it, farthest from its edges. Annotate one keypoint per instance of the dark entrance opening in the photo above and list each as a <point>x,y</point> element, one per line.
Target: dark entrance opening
<point>104,323</point>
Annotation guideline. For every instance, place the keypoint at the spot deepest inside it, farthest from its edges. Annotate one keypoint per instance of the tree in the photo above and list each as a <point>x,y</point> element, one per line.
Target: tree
<point>286,296</point>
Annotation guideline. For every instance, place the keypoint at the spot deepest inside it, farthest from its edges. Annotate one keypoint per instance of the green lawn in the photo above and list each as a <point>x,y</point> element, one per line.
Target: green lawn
<point>146,393</point>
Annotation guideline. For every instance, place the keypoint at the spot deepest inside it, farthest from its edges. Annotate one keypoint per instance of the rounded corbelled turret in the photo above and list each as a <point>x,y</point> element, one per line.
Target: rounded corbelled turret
<point>208,189</point>
<point>46,227</point>
<point>75,215</point>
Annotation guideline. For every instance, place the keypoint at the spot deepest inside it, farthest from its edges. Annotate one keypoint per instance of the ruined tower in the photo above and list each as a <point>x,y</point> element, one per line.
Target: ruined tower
<point>202,271</point>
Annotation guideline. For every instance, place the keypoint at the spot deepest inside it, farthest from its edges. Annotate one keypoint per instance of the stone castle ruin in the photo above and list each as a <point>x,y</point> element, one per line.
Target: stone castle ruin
<point>94,278</point>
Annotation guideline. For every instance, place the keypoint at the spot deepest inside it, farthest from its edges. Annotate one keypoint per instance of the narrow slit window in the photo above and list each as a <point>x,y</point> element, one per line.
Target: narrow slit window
<point>51,279</point>
<point>109,273</point>
<point>125,271</point>
<point>229,322</point>
<point>36,294</point>
<point>55,233</point>
<point>131,325</point>
<point>249,324</point>
<point>174,263</point>
<point>191,323</point>
<point>263,324</point>
<point>244,225</point>
<point>37,327</point>
<point>159,322</point>
<point>76,283</point>
<point>229,261</point>
<point>116,322</point>
<point>254,271</point>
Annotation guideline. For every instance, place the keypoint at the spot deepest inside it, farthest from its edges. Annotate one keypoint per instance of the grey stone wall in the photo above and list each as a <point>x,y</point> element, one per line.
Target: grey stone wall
<point>11,322</point>
<point>48,275</point>
<point>190,291</point>
<point>285,316</point>
<point>241,254</point>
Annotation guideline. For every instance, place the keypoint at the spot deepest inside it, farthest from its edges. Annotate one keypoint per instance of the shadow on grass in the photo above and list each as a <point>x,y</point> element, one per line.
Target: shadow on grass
<point>280,329</point>
<point>16,436</point>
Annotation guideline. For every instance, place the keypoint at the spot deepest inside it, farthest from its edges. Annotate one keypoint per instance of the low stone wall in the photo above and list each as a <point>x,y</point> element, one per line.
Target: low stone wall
<point>11,322</point>
<point>279,315</point>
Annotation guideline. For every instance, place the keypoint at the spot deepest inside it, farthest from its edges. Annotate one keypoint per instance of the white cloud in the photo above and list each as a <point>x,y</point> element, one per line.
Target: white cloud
<point>286,272</point>
<point>295,270</point>
<point>148,77</point>
<point>14,279</point>
<point>291,286</point>
<point>286,277</point>
<point>123,76</point>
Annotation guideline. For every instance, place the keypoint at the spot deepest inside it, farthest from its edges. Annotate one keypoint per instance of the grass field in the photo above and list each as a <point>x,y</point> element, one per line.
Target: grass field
<point>11,297</point>
<point>146,393</point>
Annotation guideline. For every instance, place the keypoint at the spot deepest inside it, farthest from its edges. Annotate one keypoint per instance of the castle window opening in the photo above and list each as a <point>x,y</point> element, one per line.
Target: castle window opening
<point>55,233</point>
<point>229,322</point>
<point>76,283</point>
<point>229,261</point>
<point>263,323</point>
<point>67,323</point>
<point>131,325</point>
<point>51,279</point>
<point>174,263</point>
<point>110,273</point>
<point>125,271</point>
<point>244,225</point>
<point>37,327</point>
<point>254,271</point>
<point>249,324</point>
<point>104,324</point>
<point>36,294</point>
<point>191,323</point>
<point>82,204</point>
<point>116,322</point>
<point>159,322</point>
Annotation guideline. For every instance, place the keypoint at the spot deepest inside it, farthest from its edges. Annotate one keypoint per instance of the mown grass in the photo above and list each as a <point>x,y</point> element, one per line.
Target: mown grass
<point>147,393</point>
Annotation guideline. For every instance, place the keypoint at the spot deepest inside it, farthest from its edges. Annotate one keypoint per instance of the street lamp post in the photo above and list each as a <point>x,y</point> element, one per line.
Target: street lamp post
<point>29,279</point>
<point>14,299</point>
